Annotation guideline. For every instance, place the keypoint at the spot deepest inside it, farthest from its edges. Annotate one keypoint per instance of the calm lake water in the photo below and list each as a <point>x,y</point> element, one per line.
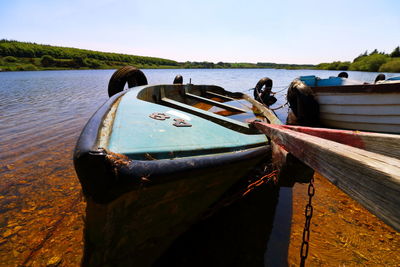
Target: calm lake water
<point>41,109</point>
<point>41,116</point>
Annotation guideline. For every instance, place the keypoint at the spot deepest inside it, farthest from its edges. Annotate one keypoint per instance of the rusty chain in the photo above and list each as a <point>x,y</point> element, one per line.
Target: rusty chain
<point>253,185</point>
<point>260,181</point>
<point>306,232</point>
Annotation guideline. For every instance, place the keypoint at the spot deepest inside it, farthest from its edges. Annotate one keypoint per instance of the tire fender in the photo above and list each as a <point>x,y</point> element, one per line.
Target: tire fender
<point>127,74</point>
<point>303,104</point>
<point>262,92</point>
<point>178,79</point>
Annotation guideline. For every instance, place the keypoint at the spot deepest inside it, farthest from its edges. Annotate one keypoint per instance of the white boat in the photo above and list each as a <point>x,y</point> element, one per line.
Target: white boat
<point>347,104</point>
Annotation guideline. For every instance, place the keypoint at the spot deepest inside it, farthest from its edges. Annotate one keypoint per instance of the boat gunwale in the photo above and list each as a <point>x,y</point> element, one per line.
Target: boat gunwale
<point>105,176</point>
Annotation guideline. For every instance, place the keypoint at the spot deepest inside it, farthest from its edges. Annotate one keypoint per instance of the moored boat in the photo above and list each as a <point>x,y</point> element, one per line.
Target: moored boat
<point>338,102</point>
<point>365,165</point>
<point>154,158</point>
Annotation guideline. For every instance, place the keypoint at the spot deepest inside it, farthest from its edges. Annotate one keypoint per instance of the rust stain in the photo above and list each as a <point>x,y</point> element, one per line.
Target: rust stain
<point>118,159</point>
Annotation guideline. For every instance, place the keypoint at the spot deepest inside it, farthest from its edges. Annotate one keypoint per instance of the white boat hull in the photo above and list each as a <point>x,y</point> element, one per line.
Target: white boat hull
<point>377,112</point>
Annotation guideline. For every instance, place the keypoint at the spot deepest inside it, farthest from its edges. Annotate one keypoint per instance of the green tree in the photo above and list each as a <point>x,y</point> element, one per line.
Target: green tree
<point>375,51</point>
<point>10,59</point>
<point>391,66</point>
<point>361,56</point>
<point>343,65</point>
<point>93,63</point>
<point>79,61</point>
<point>396,52</point>
<point>369,63</point>
<point>47,61</point>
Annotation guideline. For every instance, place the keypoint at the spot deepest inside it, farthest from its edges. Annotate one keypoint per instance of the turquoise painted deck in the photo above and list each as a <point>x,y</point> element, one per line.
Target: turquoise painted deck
<point>314,81</point>
<point>134,133</point>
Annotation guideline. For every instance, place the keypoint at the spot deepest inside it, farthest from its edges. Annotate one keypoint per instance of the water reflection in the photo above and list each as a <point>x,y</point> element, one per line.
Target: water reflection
<point>277,247</point>
<point>235,236</point>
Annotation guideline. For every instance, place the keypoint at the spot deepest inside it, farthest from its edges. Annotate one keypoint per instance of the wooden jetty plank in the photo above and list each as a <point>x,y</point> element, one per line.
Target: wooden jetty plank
<point>384,144</point>
<point>370,178</point>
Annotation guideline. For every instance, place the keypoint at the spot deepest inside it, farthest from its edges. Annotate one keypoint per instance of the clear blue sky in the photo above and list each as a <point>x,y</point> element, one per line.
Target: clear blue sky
<point>280,31</point>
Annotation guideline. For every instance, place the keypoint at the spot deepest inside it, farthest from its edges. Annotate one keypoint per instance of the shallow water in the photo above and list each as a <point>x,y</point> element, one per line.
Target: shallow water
<point>41,208</point>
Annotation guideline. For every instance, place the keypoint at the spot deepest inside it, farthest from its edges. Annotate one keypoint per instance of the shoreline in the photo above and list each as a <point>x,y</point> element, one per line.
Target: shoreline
<point>150,67</point>
<point>180,68</point>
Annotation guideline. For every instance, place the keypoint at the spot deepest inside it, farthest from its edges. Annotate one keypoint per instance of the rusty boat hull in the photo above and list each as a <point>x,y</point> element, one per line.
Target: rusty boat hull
<point>146,179</point>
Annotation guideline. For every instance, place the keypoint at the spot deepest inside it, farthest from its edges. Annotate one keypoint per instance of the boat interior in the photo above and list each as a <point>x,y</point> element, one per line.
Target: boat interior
<point>207,101</point>
<point>200,134</point>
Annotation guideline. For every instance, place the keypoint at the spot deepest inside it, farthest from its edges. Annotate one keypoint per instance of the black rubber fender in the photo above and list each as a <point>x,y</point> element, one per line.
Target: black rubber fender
<point>303,104</point>
<point>127,74</point>
<point>262,91</point>
<point>343,74</point>
<point>178,79</point>
<point>380,77</point>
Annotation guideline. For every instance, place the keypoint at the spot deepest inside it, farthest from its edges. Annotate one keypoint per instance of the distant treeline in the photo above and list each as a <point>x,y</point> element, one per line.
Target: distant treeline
<point>15,55</point>
<point>65,57</point>
<point>375,61</point>
<point>285,66</point>
<point>243,65</point>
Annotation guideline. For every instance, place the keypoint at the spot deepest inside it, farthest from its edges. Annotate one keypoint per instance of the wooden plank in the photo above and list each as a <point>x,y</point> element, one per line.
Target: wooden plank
<point>220,96</point>
<point>215,103</point>
<point>384,144</point>
<point>370,178</point>
<point>224,121</point>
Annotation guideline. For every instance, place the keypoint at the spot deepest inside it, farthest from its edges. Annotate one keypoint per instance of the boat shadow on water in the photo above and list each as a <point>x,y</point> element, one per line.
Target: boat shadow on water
<point>254,231</point>
<point>247,226</point>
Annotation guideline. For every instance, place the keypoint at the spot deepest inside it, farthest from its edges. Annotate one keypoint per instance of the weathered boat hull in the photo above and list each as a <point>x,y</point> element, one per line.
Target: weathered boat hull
<point>365,165</point>
<point>375,109</point>
<point>135,228</point>
<point>344,104</point>
<point>146,179</point>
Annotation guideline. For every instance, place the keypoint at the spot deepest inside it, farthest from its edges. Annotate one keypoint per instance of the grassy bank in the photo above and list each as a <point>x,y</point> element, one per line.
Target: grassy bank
<point>10,63</point>
<point>16,56</point>
<point>19,56</point>
<point>375,61</point>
